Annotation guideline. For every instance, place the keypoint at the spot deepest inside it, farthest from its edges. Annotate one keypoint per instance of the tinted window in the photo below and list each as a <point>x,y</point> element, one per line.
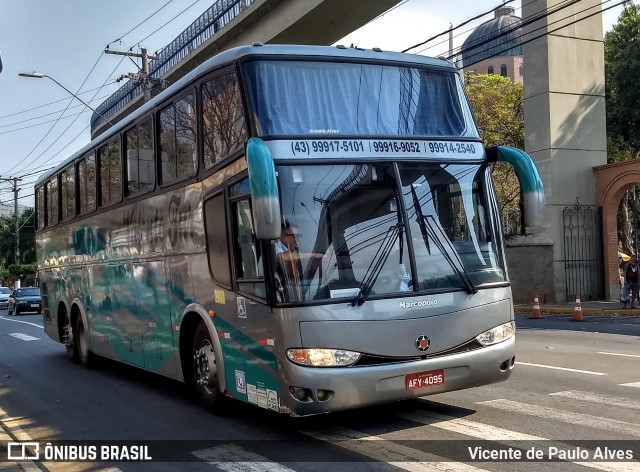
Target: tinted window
<point>178,140</point>
<point>140,162</point>
<point>52,201</point>
<point>87,184</point>
<point>223,125</point>
<point>323,99</point>
<point>40,203</point>
<point>110,173</point>
<point>5,290</point>
<point>68,193</point>
<point>217,241</point>
<point>28,292</point>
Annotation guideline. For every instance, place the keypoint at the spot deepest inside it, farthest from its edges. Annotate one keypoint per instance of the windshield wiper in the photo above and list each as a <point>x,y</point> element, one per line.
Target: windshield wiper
<point>377,263</point>
<point>447,251</point>
<point>427,230</point>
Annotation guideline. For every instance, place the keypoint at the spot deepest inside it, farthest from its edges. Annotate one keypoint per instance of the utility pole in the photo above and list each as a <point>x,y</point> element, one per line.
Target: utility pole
<point>15,190</point>
<point>15,209</point>
<point>143,76</point>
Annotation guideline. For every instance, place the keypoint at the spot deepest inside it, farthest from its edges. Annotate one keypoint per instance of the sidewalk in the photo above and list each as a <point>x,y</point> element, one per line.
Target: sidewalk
<point>611,307</point>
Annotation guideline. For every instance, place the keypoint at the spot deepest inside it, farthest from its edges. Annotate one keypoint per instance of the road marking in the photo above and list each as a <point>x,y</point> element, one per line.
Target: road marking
<point>233,458</point>
<point>561,368</point>
<point>591,421</point>
<point>24,337</point>
<point>383,450</point>
<point>632,384</point>
<point>18,321</point>
<point>618,354</point>
<point>598,398</point>
<point>16,432</point>
<point>500,435</point>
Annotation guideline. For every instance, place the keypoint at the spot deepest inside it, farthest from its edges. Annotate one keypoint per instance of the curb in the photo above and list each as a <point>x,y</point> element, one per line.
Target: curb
<point>585,311</point>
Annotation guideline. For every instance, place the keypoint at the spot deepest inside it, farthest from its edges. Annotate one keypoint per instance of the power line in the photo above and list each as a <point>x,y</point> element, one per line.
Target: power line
<point>459,26</point>
<point>158,29</point>
<point>467,30</point>
<point>35,125</point>
<point>66,129</point>
<point>140,24</point>
<point>50,103</point>
<point>564,25</point>
<point>84,81</point>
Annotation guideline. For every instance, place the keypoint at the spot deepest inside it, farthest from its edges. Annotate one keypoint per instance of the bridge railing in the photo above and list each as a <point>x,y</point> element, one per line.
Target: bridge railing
<point>216,17</point>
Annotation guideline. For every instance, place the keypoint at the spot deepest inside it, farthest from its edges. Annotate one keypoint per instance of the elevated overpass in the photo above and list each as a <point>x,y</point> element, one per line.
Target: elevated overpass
<point>229,23</point>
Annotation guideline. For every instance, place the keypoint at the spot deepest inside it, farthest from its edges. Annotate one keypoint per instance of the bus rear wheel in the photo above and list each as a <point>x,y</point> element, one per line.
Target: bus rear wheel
<point>205,370</point>
<point>69,339</point>
<point>85,356</point>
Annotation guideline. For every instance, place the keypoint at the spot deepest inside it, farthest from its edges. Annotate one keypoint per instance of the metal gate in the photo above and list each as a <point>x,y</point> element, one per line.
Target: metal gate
<point>582,232</point>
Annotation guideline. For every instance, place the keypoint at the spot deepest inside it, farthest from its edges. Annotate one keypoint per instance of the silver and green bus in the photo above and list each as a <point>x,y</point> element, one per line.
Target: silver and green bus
<point>306,229</point>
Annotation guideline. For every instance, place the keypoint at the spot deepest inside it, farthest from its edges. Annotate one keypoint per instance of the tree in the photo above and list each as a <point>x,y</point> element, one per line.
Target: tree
<point>622,69</point>
<point>498,108</point>
<point>8,238</point>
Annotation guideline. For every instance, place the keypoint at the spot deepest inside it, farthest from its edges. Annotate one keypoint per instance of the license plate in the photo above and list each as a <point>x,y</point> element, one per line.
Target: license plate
<point>424,379</point>
<point>34,305</point>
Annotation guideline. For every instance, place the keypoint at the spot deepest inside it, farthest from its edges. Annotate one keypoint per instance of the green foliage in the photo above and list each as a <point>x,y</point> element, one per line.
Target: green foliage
<point>622,72</point>
<point>27,243</point>
<point>497,104</point>
<point>21,270</point>
<point>622,69</point>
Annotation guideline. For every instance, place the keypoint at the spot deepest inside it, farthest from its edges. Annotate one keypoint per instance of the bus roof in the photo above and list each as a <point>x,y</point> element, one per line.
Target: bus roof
<point>257,49</point>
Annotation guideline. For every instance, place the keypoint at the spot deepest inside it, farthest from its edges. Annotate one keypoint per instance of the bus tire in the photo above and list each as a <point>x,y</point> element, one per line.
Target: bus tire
<point>205,370</point>
<point>71,344</point>
<point>85,356</point>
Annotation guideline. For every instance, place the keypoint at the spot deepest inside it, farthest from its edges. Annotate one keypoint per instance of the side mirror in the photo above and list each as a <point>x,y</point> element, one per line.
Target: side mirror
<point>265,198</point>
<point>529,177</point>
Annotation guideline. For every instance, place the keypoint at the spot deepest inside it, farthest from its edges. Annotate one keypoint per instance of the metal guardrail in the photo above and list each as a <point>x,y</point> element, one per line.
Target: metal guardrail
<point>208,24</point>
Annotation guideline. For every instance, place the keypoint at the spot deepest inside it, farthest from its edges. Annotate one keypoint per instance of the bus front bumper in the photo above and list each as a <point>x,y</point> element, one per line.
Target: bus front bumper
<point>310,391</point>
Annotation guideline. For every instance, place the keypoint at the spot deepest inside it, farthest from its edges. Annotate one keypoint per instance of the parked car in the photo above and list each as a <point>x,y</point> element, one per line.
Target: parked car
<point>4,297</point>
<point>25,299</point>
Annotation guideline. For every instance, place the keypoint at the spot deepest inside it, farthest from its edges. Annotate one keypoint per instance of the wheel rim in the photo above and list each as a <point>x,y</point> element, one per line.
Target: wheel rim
<point>206,372</point>
<point>82,342</point>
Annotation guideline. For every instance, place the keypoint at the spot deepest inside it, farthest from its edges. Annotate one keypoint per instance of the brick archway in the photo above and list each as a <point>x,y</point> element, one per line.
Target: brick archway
<point>612,182</point>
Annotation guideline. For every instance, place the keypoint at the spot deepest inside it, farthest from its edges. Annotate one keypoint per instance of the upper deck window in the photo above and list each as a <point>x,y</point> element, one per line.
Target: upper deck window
<point>140,159</point>
<point>223,126</point>
<point>52,201</point>
<point>40,206</point>
<point>178,140</point>
<point>340,98</point>
<point>110,163</point>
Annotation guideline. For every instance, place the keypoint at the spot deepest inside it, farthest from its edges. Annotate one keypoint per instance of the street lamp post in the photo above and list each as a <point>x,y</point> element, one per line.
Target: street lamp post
<point>39,75</point>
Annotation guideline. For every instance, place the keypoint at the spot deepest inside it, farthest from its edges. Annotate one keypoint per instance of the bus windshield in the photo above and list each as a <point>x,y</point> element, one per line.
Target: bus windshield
<point>347,99</point>
<point>346,223</point>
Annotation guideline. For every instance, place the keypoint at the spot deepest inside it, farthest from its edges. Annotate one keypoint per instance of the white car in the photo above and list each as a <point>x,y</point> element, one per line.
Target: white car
<point>4,297</point>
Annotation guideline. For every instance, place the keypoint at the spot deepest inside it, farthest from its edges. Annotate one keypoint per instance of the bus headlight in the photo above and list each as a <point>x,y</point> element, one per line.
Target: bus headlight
<point>322,357</point>
<point>497,334</point>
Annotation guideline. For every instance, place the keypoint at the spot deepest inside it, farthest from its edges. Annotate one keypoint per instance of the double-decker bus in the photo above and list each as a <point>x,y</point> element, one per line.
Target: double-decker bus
<point>306,229</point>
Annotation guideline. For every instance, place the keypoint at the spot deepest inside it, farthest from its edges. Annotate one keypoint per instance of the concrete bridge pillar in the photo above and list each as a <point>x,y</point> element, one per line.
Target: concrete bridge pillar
<point>564,108</point>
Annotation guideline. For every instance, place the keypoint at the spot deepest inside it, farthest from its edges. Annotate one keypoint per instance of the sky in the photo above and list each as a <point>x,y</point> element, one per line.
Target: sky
<point>65,39</point>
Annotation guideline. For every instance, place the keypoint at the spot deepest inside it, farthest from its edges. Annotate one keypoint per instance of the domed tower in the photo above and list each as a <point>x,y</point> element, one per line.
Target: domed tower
<point>494,47</point>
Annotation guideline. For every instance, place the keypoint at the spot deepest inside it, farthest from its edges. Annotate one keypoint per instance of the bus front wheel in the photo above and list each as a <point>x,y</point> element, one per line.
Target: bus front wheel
<point>205,370</point>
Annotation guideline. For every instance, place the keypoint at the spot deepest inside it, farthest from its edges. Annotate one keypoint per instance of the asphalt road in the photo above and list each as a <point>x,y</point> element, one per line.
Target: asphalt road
<point>573,382</point>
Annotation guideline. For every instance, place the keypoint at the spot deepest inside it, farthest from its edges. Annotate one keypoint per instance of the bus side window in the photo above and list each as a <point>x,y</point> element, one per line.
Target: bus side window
<point>247,255</point>
<point>217,241</point>
<point>223,125</point>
